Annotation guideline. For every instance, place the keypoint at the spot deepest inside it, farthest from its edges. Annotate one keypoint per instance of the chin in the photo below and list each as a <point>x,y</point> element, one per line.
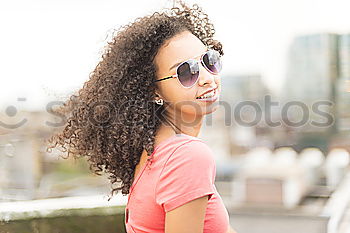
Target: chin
<point>210,109</point>
<point>195,108</point>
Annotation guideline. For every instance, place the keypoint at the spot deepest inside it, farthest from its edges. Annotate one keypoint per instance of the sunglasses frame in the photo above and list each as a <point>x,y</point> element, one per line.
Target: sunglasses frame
<point>202,63</point>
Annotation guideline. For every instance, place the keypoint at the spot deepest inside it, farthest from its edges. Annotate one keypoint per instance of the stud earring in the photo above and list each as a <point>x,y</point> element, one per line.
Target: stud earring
<point>160,101</point>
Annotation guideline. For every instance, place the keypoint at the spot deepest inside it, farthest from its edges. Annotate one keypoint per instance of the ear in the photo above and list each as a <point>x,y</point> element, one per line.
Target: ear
<point>158,96</point>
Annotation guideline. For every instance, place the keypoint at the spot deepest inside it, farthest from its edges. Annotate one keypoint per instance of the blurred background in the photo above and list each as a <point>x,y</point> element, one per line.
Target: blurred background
<point>280,136</point>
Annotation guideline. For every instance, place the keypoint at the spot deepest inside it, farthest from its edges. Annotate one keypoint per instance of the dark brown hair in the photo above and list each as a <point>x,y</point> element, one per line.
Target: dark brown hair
<point>113,118</point>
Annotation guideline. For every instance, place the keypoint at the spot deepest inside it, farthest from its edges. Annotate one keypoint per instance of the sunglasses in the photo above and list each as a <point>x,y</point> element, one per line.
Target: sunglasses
<point>187,72</point>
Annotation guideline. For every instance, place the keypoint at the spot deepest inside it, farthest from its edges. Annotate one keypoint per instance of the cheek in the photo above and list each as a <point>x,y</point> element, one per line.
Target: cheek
<point>218,80</point>
<point>179,94</point>
<point>218,83</point>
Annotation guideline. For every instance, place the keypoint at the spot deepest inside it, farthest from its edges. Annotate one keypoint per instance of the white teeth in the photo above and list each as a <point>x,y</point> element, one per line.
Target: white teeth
<point>208,95</point>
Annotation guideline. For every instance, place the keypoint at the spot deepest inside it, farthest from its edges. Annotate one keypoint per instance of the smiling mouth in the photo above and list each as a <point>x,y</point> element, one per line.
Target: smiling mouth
<point>211,97</point>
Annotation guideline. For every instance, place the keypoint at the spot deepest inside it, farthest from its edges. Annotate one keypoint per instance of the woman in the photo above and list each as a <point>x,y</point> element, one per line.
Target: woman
<point>139,115</point>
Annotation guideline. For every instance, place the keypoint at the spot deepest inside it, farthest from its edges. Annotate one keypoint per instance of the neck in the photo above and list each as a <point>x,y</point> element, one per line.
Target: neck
<point>189,125</point>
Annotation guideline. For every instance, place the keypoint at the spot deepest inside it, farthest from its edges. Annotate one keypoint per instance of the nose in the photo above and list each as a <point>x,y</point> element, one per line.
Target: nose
<point>204,76</point>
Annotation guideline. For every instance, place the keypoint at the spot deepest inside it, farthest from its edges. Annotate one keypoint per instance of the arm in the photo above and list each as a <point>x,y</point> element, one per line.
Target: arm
<point>184,186</point>
<point>187,218</point>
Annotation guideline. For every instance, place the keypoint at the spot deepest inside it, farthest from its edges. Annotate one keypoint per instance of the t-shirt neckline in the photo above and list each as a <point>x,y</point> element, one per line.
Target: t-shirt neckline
<point>155,149</point>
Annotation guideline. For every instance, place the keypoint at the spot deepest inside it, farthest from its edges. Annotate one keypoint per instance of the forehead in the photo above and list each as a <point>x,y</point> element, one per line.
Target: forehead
<point>179,48</point>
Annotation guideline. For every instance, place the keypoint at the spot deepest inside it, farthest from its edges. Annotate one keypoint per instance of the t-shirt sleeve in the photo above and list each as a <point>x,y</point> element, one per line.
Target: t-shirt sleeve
<point>189,173</point>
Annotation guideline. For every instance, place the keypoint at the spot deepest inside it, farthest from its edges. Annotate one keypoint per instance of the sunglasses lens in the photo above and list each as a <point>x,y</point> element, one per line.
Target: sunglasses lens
<point>188,73</point>
<point>212,61</point>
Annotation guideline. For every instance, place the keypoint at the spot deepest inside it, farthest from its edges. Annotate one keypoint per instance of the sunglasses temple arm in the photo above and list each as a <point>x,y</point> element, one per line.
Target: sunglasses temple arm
<point>172,76</point>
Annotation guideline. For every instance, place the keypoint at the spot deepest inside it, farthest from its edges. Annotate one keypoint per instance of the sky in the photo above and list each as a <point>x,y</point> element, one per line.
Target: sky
<point>48,48</point>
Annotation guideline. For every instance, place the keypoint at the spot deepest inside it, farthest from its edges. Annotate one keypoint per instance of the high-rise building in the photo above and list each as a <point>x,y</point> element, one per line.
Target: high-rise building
<point>312,68</point>
<point>237,88</point>
<point>245,94</point>
<point>312,74</point>
<point>343,85</point>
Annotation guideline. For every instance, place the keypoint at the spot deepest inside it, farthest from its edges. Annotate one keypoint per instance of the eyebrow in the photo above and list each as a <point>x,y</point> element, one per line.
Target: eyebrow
<point>176,64</point>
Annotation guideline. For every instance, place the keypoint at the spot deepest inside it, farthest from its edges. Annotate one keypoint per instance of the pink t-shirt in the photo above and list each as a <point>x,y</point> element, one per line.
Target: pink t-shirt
<point>182,170</point>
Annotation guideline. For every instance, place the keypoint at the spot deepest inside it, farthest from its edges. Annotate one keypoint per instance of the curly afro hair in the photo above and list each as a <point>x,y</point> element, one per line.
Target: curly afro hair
<point>113,117</point>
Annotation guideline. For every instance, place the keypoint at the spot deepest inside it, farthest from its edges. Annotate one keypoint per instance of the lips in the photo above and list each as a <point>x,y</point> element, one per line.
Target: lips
<point>206,92</point>
<point>210,99</point>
